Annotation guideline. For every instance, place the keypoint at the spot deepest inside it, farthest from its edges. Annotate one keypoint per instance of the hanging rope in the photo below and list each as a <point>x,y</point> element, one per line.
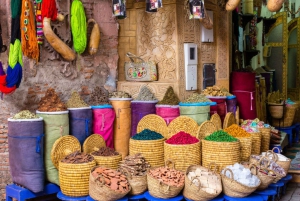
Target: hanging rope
<point>78,26</point>
<point>49,9</point>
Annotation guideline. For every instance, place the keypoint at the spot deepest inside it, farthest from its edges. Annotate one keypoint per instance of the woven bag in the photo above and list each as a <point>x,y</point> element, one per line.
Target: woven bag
<point>111,162</point>
<point>288,117</point>
<point>99,191</point>
<point>284,164</point>
<point>138,183</point>
<point>265,139</point>
<point>193,192</point>
<point>158,189</point>
<point>233,188</point>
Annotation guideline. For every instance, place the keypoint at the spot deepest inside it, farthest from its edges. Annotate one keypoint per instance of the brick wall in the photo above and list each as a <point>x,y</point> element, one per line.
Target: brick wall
<point>82,76</point>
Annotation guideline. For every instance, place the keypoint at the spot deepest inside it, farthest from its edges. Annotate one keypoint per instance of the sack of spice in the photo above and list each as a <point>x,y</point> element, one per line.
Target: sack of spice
<point>106,184</point>
<point>135,168</point>
<point>107,157</point>
<point>165,182</point>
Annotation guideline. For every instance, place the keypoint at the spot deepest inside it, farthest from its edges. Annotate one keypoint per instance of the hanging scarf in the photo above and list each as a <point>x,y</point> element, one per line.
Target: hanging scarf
<point>30,46</point>
<point>78,26</point>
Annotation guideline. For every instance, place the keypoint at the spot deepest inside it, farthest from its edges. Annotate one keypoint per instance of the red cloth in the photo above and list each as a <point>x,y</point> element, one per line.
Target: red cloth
<point>49,9</point>
<point>242,81</point>
<point>3,88</point>
<point>246,102</point>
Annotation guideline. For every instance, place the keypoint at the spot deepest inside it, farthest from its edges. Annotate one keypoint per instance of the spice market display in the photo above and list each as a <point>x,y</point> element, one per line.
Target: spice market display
<point>78,128</point>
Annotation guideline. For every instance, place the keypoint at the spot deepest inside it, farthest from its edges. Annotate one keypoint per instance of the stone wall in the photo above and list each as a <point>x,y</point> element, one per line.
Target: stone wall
<point>81,75</point>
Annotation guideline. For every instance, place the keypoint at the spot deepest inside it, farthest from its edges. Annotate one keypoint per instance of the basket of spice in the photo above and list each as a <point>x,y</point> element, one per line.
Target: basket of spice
<point>135,168</point>
<point>183,149</point>
<point>245,140</point>
<point>107,157</point>
<point>221,148</point>
<point>165,182</point>
<point>201,183</point>
<point>150,144</point>
<point>153,122</point>
<point>238,181</point>
<point>280,159</point>
<point>107,184</point>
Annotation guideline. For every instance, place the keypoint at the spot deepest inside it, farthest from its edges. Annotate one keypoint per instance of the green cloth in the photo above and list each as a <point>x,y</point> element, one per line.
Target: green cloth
<point>199,113</point>
<point>78,26</point>
<point>55,126</point>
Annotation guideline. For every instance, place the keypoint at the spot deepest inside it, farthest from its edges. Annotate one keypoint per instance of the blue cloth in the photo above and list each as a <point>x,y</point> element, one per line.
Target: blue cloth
<point>14,76</point>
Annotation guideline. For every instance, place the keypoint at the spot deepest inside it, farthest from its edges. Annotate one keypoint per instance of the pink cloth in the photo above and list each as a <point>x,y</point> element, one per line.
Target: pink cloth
<point>168,113</point>
<point>103,124</point>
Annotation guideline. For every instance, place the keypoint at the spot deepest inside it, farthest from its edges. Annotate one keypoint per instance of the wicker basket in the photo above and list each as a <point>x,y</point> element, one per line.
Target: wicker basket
<point>153,122</point>
<point>265,139</point>
<point>183,123</point>
<point>152,150</point>
<point>246,147</point>
<point>222,153</point>
<point>229,120</point>
<point>111,162</point>
<point>216,120</point>
<point>237,115</point>
<point>138,183</point>
<point>233,188</point>
<point>288,117</point>
<point>74,178</point>
<point>256,143</point>
<point>205,129</point>
<point>193,192</point>
<point>183,155</point>
<point>92,142</point>
<point>284,164</point>
<point>99,191</point>
<point>158,189</point>
<point>276,110</point>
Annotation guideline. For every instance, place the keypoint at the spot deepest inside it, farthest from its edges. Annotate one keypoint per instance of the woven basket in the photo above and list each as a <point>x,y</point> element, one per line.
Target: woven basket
<point>193,192</point>
<point>256,143</point>
<point>138,183</point>
<point>99,191</point>
<point>153,122</point>
<point>288,117</point>
<point>183,155</point>
<point>222,153</point>
<point>216,120</point>
<point>182,123</point>
<point>276,110</point>
<point>92,142</point>
<point>284,164</point>
<point>246,147</point>
<point>265,139</point>
<point>205,129</point>
<point>152,150</point>
<point>229,120</point>
<point>237,115</point>
<point>158,189</point>
<point>74,178</point>
<point>233,188</point>
<point>111,162</point>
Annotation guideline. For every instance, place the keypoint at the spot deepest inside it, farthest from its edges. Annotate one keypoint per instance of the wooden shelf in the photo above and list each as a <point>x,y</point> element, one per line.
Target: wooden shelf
<point>248,55</point>
<point>268,23</point>
<point>246,18</point>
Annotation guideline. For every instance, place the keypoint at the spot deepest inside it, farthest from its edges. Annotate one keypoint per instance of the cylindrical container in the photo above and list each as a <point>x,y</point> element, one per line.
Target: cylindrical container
<point>213,108</point>
<point>103,123</point>
<point>168,112</point>
<point>221,105</point>
<point>242,81</point>
<point>231,103</point>
<point>80,120</point>
<point>56,125</point>
<point>200,112</point>
<point>139,109</point>
<point>26,153</point>
<point>247,104</point>
<point>122,124</point>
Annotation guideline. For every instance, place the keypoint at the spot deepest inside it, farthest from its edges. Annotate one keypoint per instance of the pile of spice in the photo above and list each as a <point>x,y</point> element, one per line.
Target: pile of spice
<point>51,102</point>
<point>220,136</point>
<point>182,138</point>
<point>168,176</point>
<point>99,96</point>
<point>119,94</point>
<point>196,98</point>
<point>25,114</point>
<point>75,101</point>
<point>135,165</point>
<point>208,182</point>
<point>113,179</point>
<point>145,95</point>
<point>77,157</point>
<point>170,98</point>
<point>236,131</point>
<point>105,151</point>
<point>147,135</point>
<point>216,91</point>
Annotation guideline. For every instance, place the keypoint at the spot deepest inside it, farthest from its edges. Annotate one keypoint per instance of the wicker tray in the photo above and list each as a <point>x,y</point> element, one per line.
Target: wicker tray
<point>182,123</point>
<point>62,147</point>
<point>153,122</point>
<point>94,141</point>
<point>205,129</point>
<point>229,120</point>
<point>216,120</point>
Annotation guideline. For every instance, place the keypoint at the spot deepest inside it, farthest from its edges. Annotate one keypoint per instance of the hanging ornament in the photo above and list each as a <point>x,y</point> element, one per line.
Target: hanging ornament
<point>119,9</point>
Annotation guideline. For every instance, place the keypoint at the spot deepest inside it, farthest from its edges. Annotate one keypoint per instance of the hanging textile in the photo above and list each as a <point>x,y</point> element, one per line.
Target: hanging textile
<point>49,9</point>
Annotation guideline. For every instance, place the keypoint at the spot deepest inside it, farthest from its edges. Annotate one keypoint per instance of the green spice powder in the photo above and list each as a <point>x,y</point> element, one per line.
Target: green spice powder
<point>170,98</point>
<point>220,136</point>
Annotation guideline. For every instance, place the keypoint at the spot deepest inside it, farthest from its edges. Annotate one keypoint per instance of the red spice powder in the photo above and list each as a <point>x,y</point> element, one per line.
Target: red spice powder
<point>182,138</point>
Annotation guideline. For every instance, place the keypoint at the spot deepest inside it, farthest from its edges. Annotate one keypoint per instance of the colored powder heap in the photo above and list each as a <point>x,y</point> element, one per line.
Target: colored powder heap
<point>182,138</point>
<point>75,101</point>
<point>145,95</point>
<point>220,136</point>
<point>170,98</point>
<point>147,135</point>
<point>236,131</point>
<point>51,102</point>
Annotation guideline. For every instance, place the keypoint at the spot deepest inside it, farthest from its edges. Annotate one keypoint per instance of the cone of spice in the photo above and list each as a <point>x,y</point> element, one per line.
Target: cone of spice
<point>99,96</point>
<point>51,102</point>
<point>170,98</point>
<point>75,101</point>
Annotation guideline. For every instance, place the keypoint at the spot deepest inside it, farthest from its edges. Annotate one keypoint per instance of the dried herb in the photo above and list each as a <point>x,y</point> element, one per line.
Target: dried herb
<point>145,95</point>
<point>105,151</point>
<point>51,102</point>
<point>25,114</point>
<point>170,98</point>
<point>75,101</point>
<point>99,96</point>
<point>77,158</point>
<point>196,98</point>
<point>119,94</point>
<point>135,165</point>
